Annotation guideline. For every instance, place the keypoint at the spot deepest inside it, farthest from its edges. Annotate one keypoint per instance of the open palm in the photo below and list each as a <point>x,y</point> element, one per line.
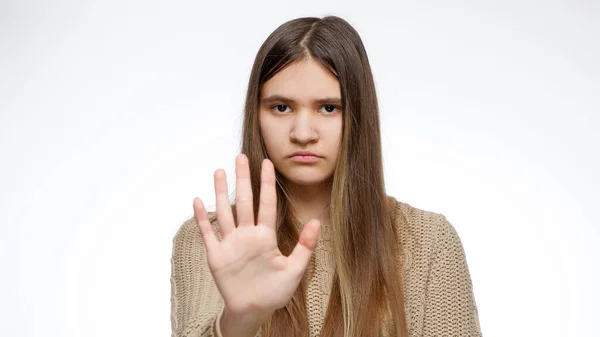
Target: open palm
<point>251,273</point>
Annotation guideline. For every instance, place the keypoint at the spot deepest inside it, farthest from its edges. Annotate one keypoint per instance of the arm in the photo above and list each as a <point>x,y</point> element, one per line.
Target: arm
<point>450,308</point>
<point>195,301</point>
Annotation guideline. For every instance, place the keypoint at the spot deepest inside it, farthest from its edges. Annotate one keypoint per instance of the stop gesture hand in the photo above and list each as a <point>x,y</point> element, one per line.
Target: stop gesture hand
<point>252,275</point>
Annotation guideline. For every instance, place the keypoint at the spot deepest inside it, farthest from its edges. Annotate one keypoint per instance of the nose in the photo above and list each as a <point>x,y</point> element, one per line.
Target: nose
<point>303,130</point>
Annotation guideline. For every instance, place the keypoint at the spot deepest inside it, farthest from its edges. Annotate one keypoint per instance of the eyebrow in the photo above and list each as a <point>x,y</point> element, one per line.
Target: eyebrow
<point>286,100</point>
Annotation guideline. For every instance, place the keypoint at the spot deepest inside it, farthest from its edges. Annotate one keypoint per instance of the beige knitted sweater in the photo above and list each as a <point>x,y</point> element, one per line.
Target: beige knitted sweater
<point>438,290</point>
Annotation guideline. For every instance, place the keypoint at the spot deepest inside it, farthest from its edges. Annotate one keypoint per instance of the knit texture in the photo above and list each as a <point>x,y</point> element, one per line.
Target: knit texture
<point>438,290</point>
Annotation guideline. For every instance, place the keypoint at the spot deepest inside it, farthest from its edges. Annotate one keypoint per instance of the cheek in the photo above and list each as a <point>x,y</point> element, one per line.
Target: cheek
<point>334,132</point>
<point>272,135</point>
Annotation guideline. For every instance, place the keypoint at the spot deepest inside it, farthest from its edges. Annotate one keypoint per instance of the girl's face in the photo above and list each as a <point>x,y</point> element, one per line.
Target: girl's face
<point>301,110</point>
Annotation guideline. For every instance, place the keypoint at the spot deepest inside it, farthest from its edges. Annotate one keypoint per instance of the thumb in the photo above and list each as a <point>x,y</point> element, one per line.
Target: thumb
<point>306,245</point>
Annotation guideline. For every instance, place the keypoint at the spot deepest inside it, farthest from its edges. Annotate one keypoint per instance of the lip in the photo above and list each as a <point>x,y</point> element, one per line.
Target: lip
<point>304,157</point>
<point>303,153</point>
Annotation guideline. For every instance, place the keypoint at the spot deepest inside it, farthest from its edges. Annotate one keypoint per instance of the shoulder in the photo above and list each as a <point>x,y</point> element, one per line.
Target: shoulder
<point>190,232</point>
<point>188,246</point>
<point>426,224</point>
<point>422,233</point>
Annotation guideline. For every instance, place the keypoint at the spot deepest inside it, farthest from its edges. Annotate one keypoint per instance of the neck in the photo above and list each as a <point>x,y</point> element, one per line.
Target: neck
<point>311,202</point>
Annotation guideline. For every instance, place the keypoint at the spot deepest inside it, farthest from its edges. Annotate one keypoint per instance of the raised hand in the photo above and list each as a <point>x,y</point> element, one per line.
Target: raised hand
<point>252,275</point>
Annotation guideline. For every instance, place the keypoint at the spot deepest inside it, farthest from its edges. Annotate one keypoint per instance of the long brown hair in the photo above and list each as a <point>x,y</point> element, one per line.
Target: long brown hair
<point>367,284</point>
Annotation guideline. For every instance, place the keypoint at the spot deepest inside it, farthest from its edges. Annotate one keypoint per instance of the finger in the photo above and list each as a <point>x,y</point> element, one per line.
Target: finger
<point>208,235</point>
<point>267,211</point>
<point>243,192</point>
<point>224,215</point>
<point>301,254</point>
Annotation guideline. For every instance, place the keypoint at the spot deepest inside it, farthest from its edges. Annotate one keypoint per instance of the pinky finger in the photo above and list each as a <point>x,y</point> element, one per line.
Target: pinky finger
<point>208,235</point>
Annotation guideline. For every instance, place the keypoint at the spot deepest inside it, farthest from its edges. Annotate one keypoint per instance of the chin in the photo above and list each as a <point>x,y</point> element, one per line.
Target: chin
<point>304,177</point>
<point>306,182</point>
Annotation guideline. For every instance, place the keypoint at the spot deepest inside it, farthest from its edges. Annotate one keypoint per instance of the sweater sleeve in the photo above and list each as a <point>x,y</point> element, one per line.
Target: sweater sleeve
<point>450,307</point>
<point>195,300</point>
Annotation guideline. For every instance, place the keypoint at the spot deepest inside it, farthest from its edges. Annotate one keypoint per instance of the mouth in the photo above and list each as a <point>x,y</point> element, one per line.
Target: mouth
<point>304,157</point>
<point>303,153</point>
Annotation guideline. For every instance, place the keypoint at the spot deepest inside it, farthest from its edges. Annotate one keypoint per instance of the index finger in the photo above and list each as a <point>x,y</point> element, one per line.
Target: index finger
<point>267,209</point>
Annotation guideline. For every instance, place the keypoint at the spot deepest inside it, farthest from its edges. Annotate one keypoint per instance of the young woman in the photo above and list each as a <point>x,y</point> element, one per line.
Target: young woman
<point>313,246</point>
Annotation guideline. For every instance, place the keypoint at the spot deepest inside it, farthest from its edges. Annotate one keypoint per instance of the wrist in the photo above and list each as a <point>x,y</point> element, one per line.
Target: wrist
<point>236,324</point>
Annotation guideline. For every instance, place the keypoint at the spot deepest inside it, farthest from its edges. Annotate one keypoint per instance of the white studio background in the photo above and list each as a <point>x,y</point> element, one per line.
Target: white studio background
<point>115,114</point>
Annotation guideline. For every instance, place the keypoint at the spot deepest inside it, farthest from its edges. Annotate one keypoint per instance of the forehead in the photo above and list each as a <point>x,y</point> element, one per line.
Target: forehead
<point>305,79</point>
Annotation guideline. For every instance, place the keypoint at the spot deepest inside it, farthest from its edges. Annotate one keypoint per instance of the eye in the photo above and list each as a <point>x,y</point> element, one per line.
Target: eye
<point>330,109</point>
<point>279,108</point>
